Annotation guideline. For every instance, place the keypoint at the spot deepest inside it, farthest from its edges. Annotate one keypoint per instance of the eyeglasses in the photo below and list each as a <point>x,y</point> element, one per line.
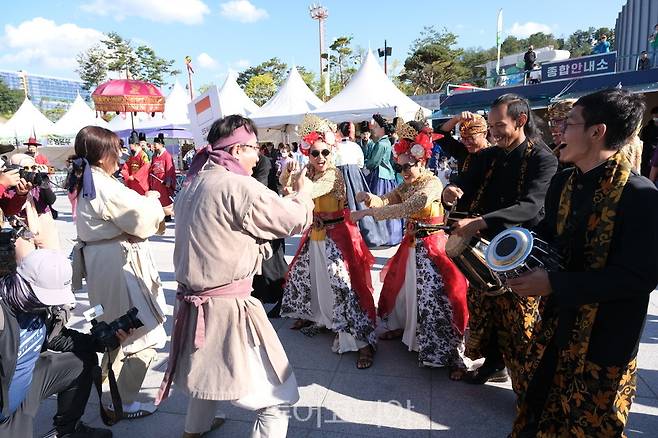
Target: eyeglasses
<point>406,167</point>
<point>316,153</point>
<point>565,125</point>
<point>255,147</point>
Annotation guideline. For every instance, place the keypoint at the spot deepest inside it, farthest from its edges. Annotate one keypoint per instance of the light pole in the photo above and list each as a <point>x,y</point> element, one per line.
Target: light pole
<point>385,52</point>
<point>320,13</point>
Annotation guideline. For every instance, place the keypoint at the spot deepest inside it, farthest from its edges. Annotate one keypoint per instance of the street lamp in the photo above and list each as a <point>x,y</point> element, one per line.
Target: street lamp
<point>385,53</point>
<point>320,13</point>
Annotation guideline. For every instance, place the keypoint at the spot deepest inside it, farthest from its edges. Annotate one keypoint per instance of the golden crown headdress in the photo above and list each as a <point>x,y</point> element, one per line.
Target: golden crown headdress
<point>312,123</point>
<point>405,130</point>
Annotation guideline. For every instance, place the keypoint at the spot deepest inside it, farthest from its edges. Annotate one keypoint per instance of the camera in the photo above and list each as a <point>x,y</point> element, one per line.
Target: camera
<point>106,333</point>
<point>31,175</point>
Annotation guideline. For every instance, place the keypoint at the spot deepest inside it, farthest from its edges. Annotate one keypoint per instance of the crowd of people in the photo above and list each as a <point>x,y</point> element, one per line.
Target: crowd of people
<point>567,338</point>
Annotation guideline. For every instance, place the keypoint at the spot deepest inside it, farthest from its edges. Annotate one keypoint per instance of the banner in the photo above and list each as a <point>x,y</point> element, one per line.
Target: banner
<point>594,65</point>
<point>203,111</point>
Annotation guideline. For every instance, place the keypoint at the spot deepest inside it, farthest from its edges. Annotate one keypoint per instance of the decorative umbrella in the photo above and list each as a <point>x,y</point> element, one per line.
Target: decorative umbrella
<point>128,96</point>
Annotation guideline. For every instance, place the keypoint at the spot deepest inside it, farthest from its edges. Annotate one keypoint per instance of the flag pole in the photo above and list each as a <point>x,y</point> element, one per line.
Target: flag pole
<point>499,34</point>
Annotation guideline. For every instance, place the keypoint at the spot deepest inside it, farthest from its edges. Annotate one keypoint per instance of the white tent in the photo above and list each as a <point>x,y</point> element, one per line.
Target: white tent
<point>121,122</point>
<point>77,117</point>
<point>288,105</point>
<point>175,113</point>
<point>27,122</point>
<point>369,92</point>
<point>233,99</point>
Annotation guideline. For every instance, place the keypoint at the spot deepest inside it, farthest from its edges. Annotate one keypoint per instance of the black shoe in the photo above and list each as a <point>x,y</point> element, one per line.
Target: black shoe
<point>84,431</point>
<point>486,374</point>
<point>167,218</point>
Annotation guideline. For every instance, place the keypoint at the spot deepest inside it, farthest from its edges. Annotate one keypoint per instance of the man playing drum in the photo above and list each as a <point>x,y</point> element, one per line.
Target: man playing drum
<point>503,186</point>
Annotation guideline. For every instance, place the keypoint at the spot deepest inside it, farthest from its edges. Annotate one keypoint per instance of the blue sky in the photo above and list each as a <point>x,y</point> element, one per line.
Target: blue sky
<point>43,36</point>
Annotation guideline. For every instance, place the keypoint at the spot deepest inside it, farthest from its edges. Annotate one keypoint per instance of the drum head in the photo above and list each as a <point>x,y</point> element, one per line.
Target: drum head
<point>455,245</point>
<point>509,249</point>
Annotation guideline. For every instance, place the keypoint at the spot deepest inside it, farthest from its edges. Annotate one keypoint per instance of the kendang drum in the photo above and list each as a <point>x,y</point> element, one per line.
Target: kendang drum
<point>468,254</point>
<point>517,250</point>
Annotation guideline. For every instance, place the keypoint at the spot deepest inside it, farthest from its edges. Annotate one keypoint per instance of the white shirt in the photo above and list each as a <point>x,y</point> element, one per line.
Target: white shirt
<point>348,152</point>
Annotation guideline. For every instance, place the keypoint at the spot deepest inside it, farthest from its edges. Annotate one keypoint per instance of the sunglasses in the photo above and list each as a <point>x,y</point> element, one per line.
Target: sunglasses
<point>406,167</point>
<point>316,153</point>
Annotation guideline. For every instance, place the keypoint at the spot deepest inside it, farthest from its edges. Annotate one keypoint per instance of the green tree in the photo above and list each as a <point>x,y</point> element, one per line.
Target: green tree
<point>120,54</point>
<point>55,113</point>
<point>309,78</point>
<point>152,68</point>
<point>261,88</point>
<point>117,54</point>
<point>472,59</point>
<point>580,42</point>
<point>92,67</point>
<point>433,61</point>
<point>273,66</point>
<point>341,62</point>
<point>10,99</point>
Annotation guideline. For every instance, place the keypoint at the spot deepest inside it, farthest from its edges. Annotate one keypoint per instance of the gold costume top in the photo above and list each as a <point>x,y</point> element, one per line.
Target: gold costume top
<point>419,200</point>
<point>328,193</point>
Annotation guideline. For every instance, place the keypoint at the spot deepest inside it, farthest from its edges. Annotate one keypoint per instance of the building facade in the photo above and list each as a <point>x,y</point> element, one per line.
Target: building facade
<point>46,92</point>
<point>634,24</point>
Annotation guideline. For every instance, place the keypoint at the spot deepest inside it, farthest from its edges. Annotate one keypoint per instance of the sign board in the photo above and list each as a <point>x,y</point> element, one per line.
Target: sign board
<point>203,111</point>
<point>594,65</point>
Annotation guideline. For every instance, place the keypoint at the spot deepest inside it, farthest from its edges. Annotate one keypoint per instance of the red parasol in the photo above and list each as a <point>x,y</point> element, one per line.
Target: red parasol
<point>127,95</point>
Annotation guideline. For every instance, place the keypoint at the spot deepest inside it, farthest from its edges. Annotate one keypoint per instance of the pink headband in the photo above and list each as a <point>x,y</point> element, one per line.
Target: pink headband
<point>239,136</point>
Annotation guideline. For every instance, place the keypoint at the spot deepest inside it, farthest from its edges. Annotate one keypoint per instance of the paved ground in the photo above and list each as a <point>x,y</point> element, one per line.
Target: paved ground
<point>394,398</point>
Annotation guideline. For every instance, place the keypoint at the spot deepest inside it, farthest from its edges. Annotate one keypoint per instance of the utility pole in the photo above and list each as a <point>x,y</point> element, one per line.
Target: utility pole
<point>320,13</point>
<point>385,53</point>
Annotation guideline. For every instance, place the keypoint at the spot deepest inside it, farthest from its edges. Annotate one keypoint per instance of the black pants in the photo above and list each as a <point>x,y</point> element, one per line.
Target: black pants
<point>70,376</point>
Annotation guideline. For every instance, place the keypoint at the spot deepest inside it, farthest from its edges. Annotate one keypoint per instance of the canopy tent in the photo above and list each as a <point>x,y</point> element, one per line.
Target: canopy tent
<point>369,92</point>
<point>233,99</point>
<point>277,119</point>
<point>77,117</point>
<point>27,122</point>
<point>288,105</point>
<point>174,122</point>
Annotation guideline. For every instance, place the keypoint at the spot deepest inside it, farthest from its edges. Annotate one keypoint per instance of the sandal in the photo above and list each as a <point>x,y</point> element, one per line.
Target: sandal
<point>365,359</point>
<point>392,335</point>
<point>140,413</point>
<point>300,324</point>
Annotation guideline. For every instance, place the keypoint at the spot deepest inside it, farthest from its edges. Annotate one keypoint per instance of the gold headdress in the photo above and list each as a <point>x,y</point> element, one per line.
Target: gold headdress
<point>313,123</point>
<point>405,130</point>
<point>560,109</point>
<point>475,126</point>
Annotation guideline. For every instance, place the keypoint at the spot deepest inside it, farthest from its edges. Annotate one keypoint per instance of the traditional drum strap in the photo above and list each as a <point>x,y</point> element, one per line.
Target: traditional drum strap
<point>475,204</point>
<point>598,238</point>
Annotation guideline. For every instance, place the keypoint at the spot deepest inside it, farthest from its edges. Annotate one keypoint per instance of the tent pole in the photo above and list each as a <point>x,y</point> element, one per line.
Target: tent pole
<point>132,121</point>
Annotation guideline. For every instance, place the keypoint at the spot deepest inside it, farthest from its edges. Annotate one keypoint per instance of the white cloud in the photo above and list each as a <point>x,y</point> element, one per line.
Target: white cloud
<point>166,11</point>
<point>242,11</point>
<point>524,30</point>
<point>207,61</point>
<point>43,43</point>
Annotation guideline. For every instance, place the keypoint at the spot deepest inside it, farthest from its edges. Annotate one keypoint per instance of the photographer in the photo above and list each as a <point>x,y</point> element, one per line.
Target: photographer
<point>30,324</point>
<point>113,224</point>
<point>36,210</point>
<point>11,202</point>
